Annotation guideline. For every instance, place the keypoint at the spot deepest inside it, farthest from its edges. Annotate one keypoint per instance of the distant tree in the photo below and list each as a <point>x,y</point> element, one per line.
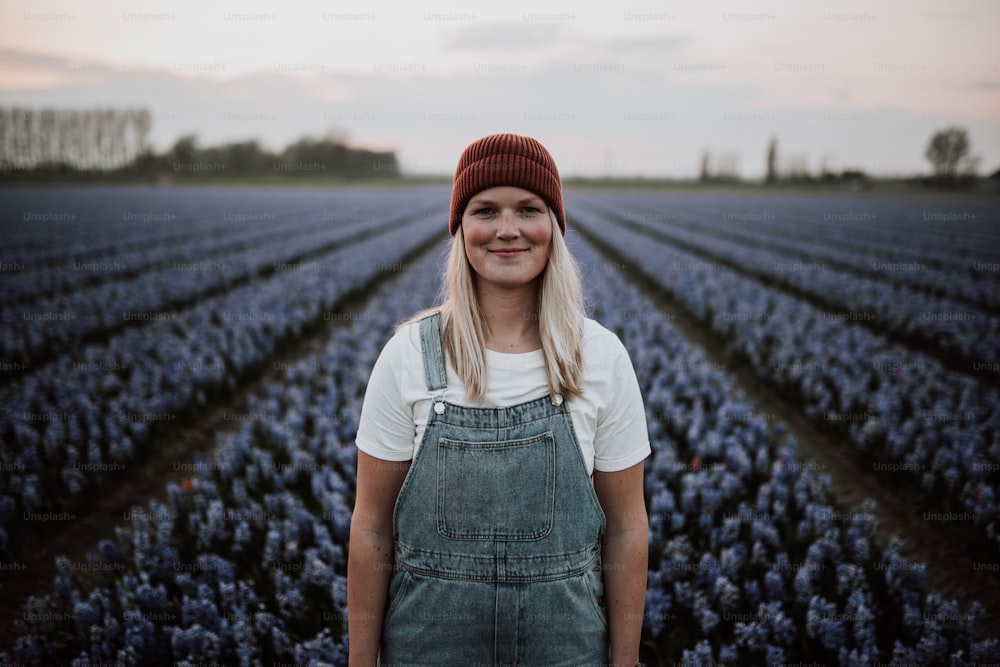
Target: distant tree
<point>143,122</point>
<point>330,157</point>
<point>796,168</point>
<point>93,139</point>
<point>722,167</point>
<point>856,179</point>
<point>184,150</point>
<point>948,153</point>
<point>241,158</point>
<point>772,161</point>
<point>727,166</point>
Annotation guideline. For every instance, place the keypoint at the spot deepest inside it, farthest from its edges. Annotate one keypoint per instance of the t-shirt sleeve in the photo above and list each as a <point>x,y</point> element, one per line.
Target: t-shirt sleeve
<point>386,428</point>
<point>621,439</point>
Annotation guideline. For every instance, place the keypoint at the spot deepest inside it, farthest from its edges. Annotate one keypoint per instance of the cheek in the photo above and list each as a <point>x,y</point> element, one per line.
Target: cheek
<point>541,236</point>
<point>474,235</point>
<point>546,254</point>
<point>473,249</point>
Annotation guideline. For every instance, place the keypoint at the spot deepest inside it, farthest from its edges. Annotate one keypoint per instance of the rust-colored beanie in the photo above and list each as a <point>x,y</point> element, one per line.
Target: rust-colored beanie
<point>506,159</point>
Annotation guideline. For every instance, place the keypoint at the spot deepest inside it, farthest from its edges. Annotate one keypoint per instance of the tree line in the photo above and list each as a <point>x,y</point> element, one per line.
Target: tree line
<point>948,151</point>
<point>82,139</point>
<point>47,144</point>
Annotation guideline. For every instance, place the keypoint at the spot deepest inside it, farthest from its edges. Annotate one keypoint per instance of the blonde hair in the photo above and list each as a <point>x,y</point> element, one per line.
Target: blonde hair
<point>560,309</point>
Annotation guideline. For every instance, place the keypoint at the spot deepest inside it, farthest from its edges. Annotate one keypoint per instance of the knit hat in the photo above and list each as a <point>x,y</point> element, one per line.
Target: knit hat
<point>506,159</point>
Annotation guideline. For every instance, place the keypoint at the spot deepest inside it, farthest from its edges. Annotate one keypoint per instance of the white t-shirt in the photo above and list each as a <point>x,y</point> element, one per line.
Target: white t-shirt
<point>609,419</point>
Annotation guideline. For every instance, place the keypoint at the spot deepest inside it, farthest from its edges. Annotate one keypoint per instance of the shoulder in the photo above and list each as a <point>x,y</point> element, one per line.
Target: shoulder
<point>605,358</point>
<point>600,341</point>
<point>403,345</point>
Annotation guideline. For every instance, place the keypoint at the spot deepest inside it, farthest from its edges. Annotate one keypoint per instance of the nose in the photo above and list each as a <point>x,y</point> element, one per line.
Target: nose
<point>507,227</point>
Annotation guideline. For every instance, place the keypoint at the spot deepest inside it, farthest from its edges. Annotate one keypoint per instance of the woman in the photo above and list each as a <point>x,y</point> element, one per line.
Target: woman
<point>499,516</point>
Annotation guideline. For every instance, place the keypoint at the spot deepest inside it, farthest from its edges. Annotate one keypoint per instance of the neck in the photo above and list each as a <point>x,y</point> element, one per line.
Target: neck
<point>511,317</point>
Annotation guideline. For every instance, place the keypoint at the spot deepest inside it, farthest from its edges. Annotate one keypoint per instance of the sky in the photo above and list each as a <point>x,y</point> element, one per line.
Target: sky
<point>630,88</point>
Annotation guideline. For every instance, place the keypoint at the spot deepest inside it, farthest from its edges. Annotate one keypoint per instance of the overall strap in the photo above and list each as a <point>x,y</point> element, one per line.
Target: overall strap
<point>431,345</point>
<point>433,352</point>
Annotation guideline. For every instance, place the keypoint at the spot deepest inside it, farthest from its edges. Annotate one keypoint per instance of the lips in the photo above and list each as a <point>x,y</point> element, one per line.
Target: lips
<point>509,252</point>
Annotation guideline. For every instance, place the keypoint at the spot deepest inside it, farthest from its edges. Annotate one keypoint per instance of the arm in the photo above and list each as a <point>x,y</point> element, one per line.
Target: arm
<point>370,558</point>
<point>625,552</point>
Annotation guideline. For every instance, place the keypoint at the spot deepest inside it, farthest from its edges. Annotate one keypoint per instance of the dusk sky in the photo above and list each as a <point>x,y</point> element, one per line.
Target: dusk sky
<point>621,89</point>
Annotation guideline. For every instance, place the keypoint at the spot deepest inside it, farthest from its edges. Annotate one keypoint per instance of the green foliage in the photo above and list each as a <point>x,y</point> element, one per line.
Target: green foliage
<point>948,153</point>
<point>46,145</point>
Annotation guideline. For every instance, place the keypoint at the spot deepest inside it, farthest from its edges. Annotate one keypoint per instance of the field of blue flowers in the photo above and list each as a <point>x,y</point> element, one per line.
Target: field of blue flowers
<point>127,309</point>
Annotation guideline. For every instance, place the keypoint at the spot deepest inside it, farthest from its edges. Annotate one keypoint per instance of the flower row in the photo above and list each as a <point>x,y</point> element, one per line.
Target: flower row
<point>931,429</point>
<point>952,330</point>
<point>73,421</point>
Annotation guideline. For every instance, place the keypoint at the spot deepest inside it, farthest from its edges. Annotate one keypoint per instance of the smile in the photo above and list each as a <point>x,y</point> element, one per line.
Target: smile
<point>508,252</point>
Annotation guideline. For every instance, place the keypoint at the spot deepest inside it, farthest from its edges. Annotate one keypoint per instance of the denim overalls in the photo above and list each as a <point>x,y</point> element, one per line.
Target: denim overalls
<point>497,538</point>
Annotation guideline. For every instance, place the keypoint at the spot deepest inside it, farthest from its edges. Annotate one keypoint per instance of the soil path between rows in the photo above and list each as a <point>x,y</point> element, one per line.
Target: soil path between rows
<point>952,571</point>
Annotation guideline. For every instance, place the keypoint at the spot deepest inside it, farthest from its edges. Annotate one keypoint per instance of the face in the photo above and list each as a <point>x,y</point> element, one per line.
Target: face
<point>508,234</point>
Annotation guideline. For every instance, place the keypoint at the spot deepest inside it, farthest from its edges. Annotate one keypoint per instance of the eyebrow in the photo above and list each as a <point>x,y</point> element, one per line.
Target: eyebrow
<point>526,200</point>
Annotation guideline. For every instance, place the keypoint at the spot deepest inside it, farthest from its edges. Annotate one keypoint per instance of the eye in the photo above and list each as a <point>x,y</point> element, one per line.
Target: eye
<point>485,210</point>
<point>531,210</point>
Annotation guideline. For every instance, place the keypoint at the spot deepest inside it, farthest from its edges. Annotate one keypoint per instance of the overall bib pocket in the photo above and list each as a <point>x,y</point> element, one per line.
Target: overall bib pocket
<point>498,490</point>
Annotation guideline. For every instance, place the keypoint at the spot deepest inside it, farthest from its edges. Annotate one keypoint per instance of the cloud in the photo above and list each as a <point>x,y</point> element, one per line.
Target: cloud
<point>984,84</point>
<point>598,113</point>
<point>543,45</point>
<point>16,58</point>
